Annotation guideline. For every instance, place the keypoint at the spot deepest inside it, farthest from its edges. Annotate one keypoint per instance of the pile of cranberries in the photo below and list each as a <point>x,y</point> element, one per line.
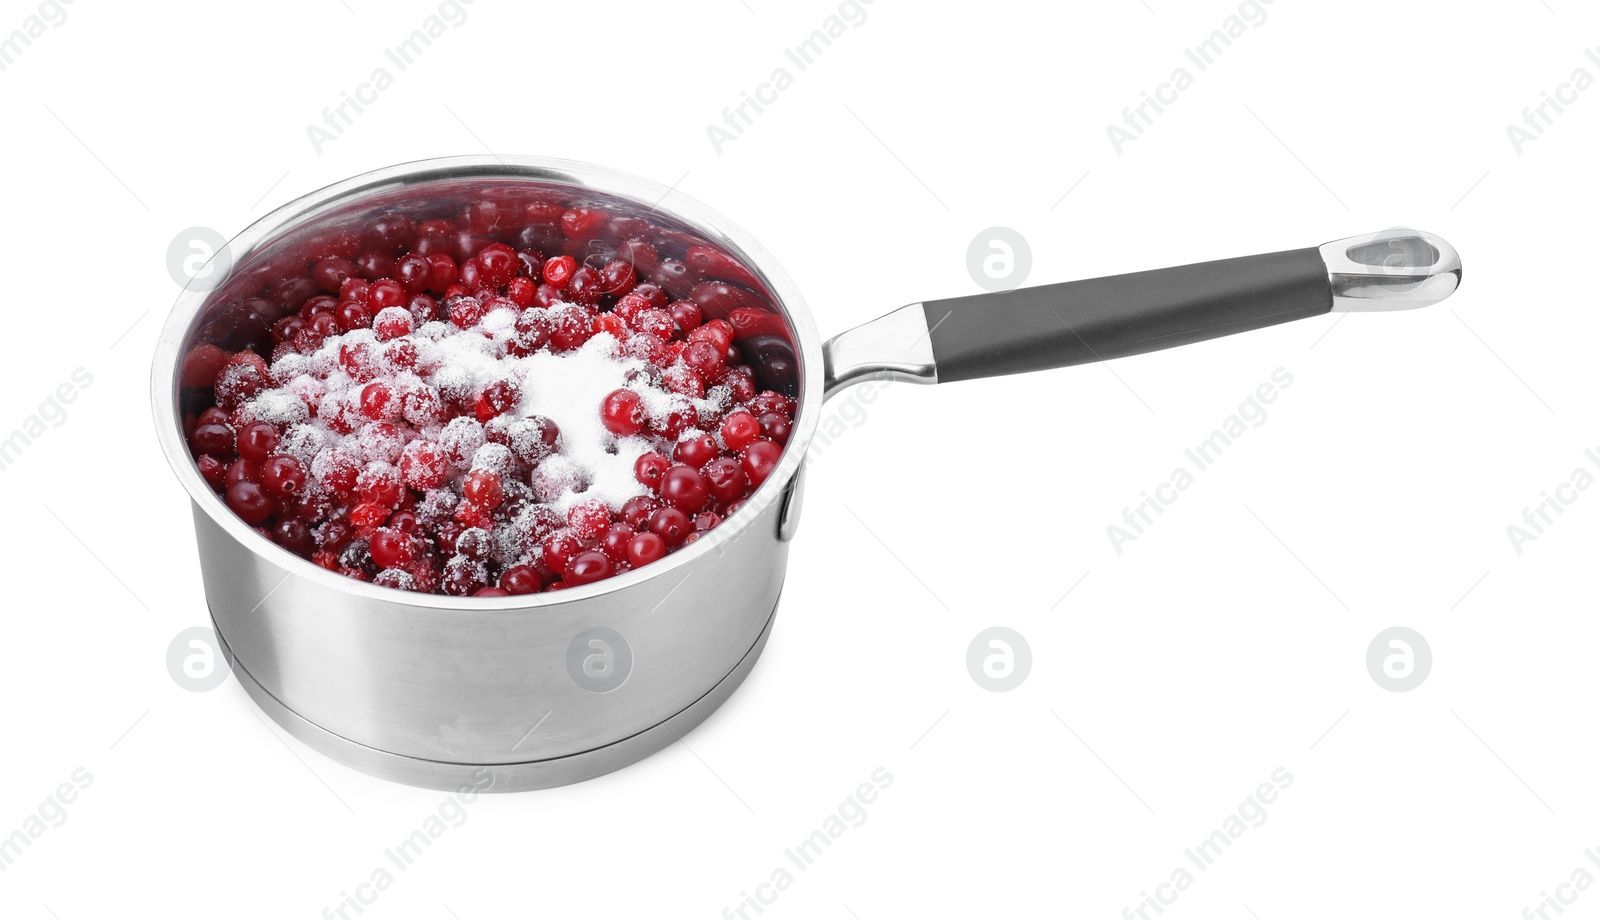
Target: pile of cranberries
<point>348,437</point>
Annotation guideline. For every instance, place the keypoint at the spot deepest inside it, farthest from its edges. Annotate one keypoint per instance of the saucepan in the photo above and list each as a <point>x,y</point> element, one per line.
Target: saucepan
<point>544,689</point>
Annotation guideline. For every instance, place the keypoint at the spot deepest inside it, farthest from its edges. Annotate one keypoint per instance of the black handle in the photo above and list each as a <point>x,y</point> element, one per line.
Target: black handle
<point>1058,325</point>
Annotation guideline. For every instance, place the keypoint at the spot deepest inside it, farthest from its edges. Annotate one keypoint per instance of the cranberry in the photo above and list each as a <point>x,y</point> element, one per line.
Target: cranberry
<point>213,439</point>
<point>654,322</point>
<point>685,488</point>
<point>475,543</point>
<point>588,519</point>
<point>377,401</point>
<point>483,487</point>
<point>379,484</point>
<point>373,265</point>
<point>574,326</point>
<point>739,428</point>
<point>249,501</point>
<point>442,272</point>
<point>282,476</point>
<point>583,223</point>
<point>423,465</point>
<point>497,398</point>
<point>616,279</point>
<point>686,314</point>
<point>646,548</point>
<point>391,549</point>
<point>775,427</point>
<point>671,524</point>
<point>293,535</point>
<point>465,311</point>
<point>636,511</point>
<point>521,290</point>
<point>725,479</point>
<point>704,359</point>
<point>560,548</point>
<point>759,460</point>
<point>392,323</point>
<point>330,273</point>
<point>622,412</point>
<point>770,401</point>
<point>212,471</point>
<point>520,579</point>
<point>491,592</point>
<point>649,469</point>
<point>615,542</point>
<point>587,568</point>
<point>498,263</point>
<point>696,451</point>
<point>256,442</point>
<point>558,271</point>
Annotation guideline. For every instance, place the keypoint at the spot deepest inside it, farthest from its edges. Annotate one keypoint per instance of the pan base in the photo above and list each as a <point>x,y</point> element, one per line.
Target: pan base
<point>502,777</point>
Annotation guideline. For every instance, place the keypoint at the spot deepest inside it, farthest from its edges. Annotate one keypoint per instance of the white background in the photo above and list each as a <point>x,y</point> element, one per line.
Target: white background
<point>1227,641</point>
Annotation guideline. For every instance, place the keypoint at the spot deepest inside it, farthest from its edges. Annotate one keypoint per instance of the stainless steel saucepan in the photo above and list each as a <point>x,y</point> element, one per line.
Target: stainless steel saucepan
<point>546,689</point>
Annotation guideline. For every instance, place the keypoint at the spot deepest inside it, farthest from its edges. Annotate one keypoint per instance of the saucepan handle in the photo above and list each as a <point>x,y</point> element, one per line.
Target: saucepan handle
<point>1078,322</point>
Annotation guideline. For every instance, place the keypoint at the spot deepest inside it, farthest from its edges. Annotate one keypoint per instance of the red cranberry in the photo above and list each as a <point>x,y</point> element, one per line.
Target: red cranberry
<point>373,265</point>
<point>775,427</point>
<point>615,542</point>
<point>704,359</point>
<point>391,549</point>
<point>293,535</point>
<point>646,548</point>
<point>520,579</point>
<point>671,524</point>
<point>558,271</point>
<point>475,543</point>
<point>213,439</point>
<point>725,479</point>
<point>498,263</point>
<point>559,550</point>
<point>696,451</point>
<point>649,469</point>
<point>256,442</point>
<point>377,401</point>
<point>636,511</point>
<point>759,460</point>
<point>521,290</point>
<point>212,470</point>
<point>685,314</point>
<point>282,476</point>
<point>393,323</point>
<point>587,568</point>
<point>622,412</point>
<point>685,488</point>
<point>739,428</point>
<point>491,592</point>
<point>483,488</point>
<point>588,519</point>
<point>250,502</point>
<point>330,273</point>
<point>616,279</point>
<point>442,272</point>
<point>497,398</point>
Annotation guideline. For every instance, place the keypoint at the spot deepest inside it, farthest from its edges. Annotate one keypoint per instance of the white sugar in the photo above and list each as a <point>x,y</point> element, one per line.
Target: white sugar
<point>568,389</point>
